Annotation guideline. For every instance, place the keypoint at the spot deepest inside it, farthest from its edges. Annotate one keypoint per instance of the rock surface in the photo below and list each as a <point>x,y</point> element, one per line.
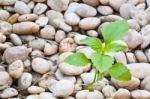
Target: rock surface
<point>64,91</point>
<point>142,68</point>
<point>37,35</point>
<point>15,53</point>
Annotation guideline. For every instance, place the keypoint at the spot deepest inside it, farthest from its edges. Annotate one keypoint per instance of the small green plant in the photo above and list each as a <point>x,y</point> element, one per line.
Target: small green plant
<point>112,34</point>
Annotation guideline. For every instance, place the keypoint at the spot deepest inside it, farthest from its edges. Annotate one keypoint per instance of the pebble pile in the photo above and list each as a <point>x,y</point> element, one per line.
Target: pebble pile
<point>37,35</point>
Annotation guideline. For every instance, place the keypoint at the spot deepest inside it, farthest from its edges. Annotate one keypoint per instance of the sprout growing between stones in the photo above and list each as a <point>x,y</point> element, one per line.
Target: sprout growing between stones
<point>113,33</point>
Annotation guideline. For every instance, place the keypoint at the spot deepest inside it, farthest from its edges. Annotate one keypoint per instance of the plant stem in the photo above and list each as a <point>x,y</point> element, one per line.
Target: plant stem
<point>95,76</point>
<point>90,86</point>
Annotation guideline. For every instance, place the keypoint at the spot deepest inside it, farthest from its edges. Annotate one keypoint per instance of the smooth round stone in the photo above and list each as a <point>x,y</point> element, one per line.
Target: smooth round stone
<point>27,17</point>
<point>40,65</point>
<point>120,57</point>
<point>133,24</point>
<point>56,19</point>
<point>111,18</point>
<point>140,94</point>
<point>130,57</point>
<point>35,89</point>
<point>85,94</point>
<point>21,7</point>
<point>133,39</point>
<point>58,5</point>
<point>146,36</point>
<point>31,4</point>
<point>141,6</point>
<point>85,10</point>
<point>4,78</point>
<point>50,48</point>
<point>92,33</point>
<point>48,32</point>
<point>72,18</point>
<point>54,15</point>
<point>125,10</point>
<point>60,35</point>
<point>47,82</point>
<point>92,2</point>
<point>99,85</point>
<point>8,93</point>
<point>42,21</point>
<point>141,16</point>
<point>122,94</point>
<point>89,23</point>
<point>142,68</point>
<point>4,15</point>
<point>6,27</point>
<point>2,38</point>
<point>25,28</point>
<point>60,76</point>
<point>116,3</point>
<point>16,69</point>
<point>13,18</point>
<point>72,7</point>
<point>40,8</point>
<point>132,84</point>
<point>25,80</point>
<point>145,83</point>
<point>72,70</point>
<point>15,39</point>
<point>7,2</point>
<point>32,97</point>
<point>87,78</point>
<point>105,10</point>
<point>108,91</point>
<point>46,95</point>
<point>140,56</point>
<point>37,44</point>
<point>79,37</point>
<point>60,91</point>
<point>3,47</point>
<point>104,2</point>
<point>15,53</point>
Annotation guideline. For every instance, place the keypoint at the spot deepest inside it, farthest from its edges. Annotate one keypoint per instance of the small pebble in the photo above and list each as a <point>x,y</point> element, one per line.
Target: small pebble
<point>40,65</point>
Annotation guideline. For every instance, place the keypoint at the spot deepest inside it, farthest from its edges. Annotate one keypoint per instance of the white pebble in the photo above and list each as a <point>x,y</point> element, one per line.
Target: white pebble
<point>42,21</point>
<point>40,65</point>
<point>21,7</point>
<point>16,69</point>
<point>39,8</point>
<point>35,89</point>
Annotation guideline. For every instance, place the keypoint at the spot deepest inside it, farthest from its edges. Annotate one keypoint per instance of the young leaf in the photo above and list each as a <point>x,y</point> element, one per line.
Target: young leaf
<point>120,72</point>
<point>93,42</point>
<point>115,31</point>
<point>115,46</point>
<point>77,59</point>
<point>101,62</point>
<point>100,76</point>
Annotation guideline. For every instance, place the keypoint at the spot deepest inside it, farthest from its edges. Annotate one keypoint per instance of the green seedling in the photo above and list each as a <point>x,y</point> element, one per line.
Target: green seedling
<point>113,33</point>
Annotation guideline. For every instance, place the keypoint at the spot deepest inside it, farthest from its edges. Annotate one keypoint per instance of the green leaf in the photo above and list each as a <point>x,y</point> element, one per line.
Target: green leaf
<point>115,46</point>
<point>100,76</point>
<point>101,62</point>
<point>120,72</point>
<point>93,42</point>
<point>115,30</point>
<point>77,59</point>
